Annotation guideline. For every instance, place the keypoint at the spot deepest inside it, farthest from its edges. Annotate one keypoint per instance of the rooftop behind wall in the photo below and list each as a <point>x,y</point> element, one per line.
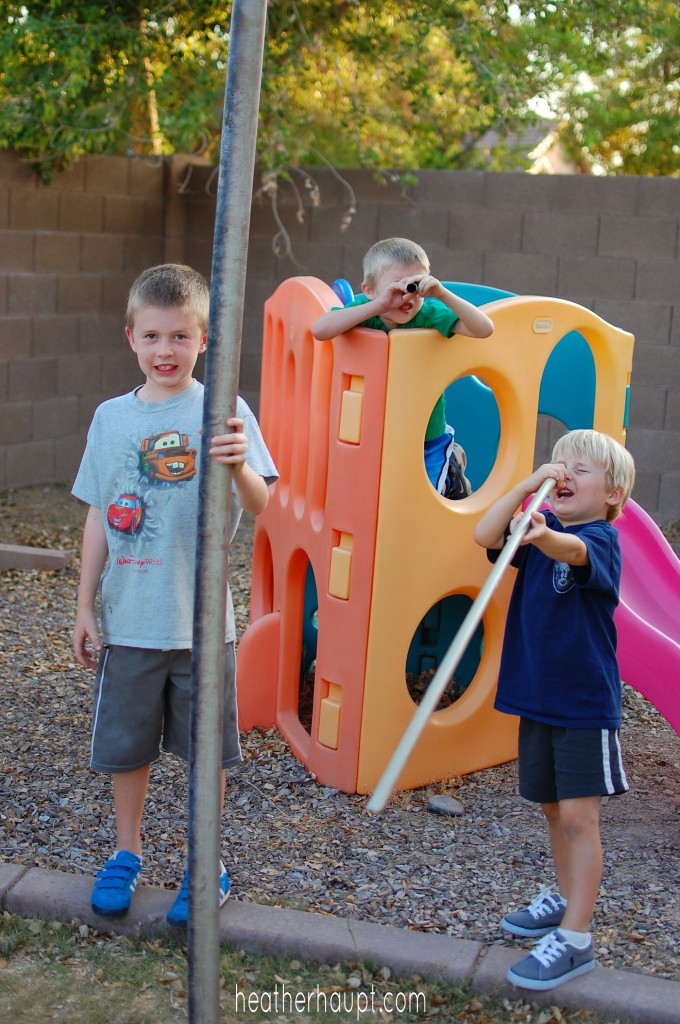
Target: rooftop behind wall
<point>69,252</point>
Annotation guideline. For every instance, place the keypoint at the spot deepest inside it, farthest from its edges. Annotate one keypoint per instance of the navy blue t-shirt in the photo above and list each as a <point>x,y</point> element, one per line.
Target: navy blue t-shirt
<point>559,653</point>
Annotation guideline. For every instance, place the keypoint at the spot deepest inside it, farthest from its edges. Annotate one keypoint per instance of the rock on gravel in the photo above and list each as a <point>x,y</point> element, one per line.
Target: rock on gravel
<point>290,841</point>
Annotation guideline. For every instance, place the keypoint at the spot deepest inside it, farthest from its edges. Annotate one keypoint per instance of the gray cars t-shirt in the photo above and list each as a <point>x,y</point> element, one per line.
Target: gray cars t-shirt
<point>141,468</point>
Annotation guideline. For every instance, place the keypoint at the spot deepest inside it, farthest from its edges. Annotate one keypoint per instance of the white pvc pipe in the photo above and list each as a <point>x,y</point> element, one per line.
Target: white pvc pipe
<point>451,659</point>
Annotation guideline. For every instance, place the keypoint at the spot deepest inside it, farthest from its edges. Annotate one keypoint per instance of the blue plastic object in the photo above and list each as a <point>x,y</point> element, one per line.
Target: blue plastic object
<point>310,625</point>
<point>343,289</point>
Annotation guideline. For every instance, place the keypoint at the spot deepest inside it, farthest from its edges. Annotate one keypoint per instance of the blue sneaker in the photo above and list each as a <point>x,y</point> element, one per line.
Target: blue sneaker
<point>178,915</point>
<point>115,884</point>
<point>542,916</point>
<point>552,962</point>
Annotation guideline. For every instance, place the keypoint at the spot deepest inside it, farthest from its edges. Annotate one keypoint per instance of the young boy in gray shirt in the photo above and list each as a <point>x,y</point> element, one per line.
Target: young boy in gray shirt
<point>140,477</point>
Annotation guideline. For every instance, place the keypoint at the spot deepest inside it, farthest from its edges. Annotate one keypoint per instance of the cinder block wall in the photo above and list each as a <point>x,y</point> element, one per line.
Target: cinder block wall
<point>69,252</point>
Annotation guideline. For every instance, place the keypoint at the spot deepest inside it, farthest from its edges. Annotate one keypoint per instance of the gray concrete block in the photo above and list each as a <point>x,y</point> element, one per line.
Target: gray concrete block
<point>335,224</point>
<point>669,496</point>
<point>449,189</point>
<point>29,463</point>
<point>658,196</point>
<point>32,379</point>
<point>57,251</point>
<point>654,449</point>
<point>16,422</point>
<point>650,322</point>
<point>657,280</point>
<point>275,930</point>
<point>55,418</point>
<point>647,484</point>
<point>16,253</point>
<point>672,419</point>
<point>16,338</point>
<point>67,455</point>
<point>656,365</point>
<point>556,233</point>
<point>55,335</point>
<point>517,190</point>
<point>31,294</point>
<point>33,210</point>
<point>108,174</point>
<point>647,406</point>
<point>475,231</point>
<point>18,556</point>
<point>646,236</point>
<point>606,277</point>
<point>59,896</point>
<point>523,273</point>
<point>80,211</point>
<point>427,225</point>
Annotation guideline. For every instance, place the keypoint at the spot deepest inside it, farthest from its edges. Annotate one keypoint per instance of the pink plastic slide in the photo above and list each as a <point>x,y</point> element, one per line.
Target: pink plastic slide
<point>648,615</point>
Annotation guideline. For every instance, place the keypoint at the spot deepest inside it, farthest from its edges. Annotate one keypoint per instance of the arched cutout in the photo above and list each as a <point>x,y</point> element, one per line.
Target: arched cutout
<point>310,630</point>
<point>430,643</point>
<point>472,411</point>
<point>568,383</point>
<point>262,588</point>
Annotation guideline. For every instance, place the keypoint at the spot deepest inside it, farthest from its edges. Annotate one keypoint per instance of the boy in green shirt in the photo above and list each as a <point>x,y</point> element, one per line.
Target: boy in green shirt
<point>399,292</point>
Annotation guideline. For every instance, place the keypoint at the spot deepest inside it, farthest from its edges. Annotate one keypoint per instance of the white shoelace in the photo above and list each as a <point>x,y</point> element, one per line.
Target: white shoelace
<point>548,949</point>
<point>544,903</point>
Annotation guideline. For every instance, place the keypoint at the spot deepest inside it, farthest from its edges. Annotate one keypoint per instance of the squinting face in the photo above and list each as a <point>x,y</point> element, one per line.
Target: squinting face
<point>410,304</point>
<point>167,342</point>
<point>584,495</point>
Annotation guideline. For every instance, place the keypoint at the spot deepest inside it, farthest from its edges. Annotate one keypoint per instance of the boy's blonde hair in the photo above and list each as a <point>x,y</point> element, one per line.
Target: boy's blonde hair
<point>616,461</point>
<point>390,252</point>
<point>170,284</point>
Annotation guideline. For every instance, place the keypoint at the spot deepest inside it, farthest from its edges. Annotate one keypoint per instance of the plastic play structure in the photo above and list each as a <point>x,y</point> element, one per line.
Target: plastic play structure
<point>362,573</point>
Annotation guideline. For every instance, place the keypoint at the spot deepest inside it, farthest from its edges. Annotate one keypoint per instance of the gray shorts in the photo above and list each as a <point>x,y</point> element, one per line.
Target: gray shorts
<point>141,705</point>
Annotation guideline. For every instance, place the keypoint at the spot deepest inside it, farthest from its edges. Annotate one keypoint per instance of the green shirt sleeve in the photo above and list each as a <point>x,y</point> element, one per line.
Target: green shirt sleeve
<point>433,314</point>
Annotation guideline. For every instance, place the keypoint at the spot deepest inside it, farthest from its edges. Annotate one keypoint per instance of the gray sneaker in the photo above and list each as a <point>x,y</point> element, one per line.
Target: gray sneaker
<point>539,918</point>
<point>551,963</point>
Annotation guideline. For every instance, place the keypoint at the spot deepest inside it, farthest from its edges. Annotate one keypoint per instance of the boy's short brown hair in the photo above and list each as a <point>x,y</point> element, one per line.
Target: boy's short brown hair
<point>390,252</point>
<point>616,461</point>
<point>170,284</point>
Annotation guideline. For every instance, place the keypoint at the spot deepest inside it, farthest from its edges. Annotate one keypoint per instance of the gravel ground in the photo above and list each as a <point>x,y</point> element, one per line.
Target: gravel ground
<point>288,840</point>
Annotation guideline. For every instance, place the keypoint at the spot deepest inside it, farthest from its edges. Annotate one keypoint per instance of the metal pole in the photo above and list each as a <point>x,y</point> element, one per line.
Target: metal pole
<point>230,247</point>
<point>451,659</point>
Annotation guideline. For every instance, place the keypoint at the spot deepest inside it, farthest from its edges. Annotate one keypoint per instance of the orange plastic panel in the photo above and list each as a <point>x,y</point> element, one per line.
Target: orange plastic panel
<point>328,488</point>
<point>424,545</point>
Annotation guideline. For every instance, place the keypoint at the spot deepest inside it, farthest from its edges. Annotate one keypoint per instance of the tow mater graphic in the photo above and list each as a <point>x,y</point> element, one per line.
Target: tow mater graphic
<point>126,513</point>
<point>167,457</point>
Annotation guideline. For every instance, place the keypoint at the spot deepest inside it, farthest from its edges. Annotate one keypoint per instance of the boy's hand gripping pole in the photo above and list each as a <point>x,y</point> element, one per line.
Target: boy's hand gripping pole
<point>451,659</point>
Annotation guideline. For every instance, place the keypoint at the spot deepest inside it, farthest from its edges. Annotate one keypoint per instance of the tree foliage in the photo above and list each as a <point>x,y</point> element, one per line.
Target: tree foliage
<point>612,73</point>
<point>387,84</point>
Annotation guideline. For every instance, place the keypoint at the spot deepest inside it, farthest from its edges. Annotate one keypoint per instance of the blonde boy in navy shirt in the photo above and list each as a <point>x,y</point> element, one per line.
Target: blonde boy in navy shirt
<point>559,674</point>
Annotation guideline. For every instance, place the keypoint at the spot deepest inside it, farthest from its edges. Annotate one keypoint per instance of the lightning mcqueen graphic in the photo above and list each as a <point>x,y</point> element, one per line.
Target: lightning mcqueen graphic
<point>168,457</point>
<point>126,513</point>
